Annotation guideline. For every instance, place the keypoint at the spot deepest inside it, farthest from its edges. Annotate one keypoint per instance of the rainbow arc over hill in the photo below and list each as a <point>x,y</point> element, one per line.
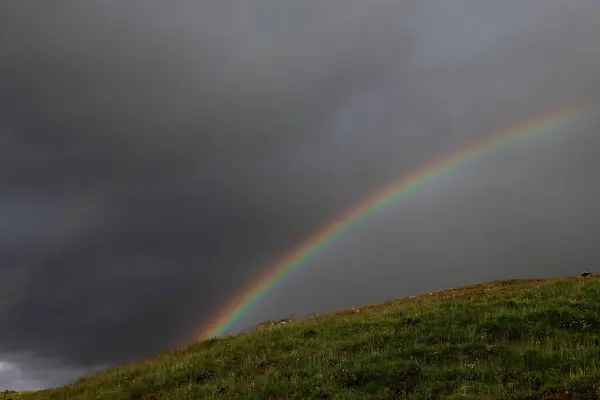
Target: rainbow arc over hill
<point>407,184</point>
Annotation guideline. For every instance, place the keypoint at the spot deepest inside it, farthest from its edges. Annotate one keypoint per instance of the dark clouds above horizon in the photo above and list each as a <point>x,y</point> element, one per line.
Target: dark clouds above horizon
<point>154,158</point>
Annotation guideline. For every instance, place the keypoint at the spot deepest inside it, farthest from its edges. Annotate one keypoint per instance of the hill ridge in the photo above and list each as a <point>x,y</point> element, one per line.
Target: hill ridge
<point>516,338</point>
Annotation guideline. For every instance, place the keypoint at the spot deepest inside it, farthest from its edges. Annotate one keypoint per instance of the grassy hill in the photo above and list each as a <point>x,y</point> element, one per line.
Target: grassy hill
<point>520,339</point>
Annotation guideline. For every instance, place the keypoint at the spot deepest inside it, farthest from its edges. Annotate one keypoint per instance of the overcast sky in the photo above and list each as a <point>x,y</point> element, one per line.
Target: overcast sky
<point>155,156</point>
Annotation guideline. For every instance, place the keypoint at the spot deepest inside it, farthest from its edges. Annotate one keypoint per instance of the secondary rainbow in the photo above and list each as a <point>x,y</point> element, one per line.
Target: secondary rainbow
<point>397,190</point>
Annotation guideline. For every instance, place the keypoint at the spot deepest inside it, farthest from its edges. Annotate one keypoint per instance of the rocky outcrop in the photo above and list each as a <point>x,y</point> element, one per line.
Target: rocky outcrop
<point>270,324</point>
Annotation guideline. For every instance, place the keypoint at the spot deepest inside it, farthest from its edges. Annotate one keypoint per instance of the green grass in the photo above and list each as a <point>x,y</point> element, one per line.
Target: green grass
<point>518,339</point>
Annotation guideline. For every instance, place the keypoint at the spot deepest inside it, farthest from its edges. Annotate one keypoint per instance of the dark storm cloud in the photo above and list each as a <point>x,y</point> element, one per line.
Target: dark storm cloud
<point>157,156</point>
<point>150,117</point>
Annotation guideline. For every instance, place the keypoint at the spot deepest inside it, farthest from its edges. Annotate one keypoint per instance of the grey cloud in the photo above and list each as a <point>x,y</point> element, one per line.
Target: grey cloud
<point>39,374</point>
<point>158,157</point>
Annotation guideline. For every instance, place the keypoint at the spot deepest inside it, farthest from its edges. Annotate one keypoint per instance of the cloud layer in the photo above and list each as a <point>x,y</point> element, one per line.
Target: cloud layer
<point>154,158</point>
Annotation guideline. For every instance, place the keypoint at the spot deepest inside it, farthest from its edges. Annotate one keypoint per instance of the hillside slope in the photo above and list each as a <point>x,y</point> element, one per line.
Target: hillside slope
<point>524,339</point>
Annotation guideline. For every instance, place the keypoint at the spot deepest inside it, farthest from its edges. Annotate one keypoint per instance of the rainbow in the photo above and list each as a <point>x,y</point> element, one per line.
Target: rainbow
<point>397,190</point>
